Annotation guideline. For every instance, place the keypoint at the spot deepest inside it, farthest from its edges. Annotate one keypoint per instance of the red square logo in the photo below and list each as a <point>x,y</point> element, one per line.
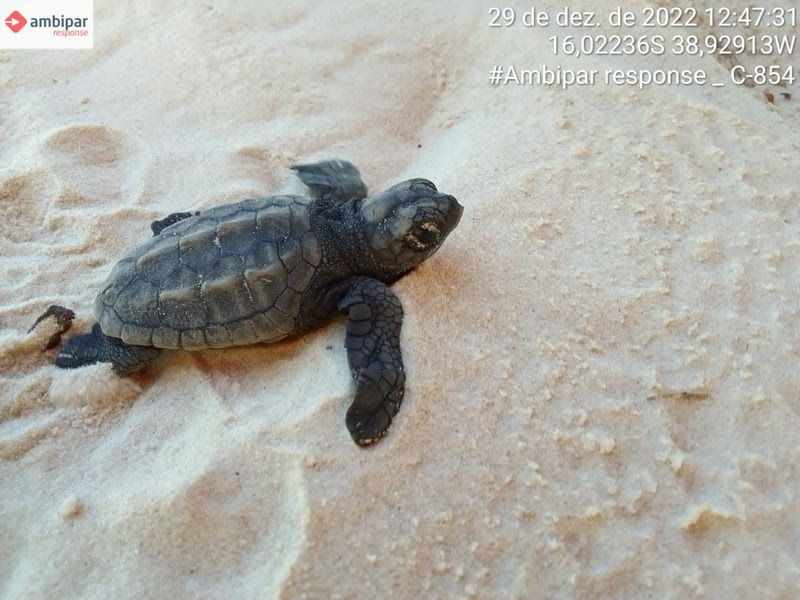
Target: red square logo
<point>15,21</point>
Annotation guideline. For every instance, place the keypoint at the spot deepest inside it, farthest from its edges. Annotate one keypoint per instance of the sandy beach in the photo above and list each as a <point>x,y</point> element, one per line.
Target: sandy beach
<point>602,397</point>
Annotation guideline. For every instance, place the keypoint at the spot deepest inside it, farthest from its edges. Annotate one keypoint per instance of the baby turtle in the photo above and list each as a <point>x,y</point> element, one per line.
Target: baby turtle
<point>268,268</point>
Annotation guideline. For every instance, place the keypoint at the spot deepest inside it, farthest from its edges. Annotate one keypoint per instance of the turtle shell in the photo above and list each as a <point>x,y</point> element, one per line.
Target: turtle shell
<point>230,276</point>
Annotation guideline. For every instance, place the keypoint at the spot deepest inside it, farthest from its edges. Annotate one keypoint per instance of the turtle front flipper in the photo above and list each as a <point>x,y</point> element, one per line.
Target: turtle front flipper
<point>375,316</point>
<point>332,180</point>
<point>94,347</point>
<point>161,224</point>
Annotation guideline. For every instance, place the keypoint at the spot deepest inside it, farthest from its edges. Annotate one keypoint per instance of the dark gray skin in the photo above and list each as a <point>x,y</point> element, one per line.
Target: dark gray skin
<point>269,268</point>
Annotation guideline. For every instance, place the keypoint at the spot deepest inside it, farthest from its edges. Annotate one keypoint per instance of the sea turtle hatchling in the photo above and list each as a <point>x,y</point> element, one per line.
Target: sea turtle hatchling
<point>268,268</point>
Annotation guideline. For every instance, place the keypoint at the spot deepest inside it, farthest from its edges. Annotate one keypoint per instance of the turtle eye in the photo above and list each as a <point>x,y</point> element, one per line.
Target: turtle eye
<point>423,236</point>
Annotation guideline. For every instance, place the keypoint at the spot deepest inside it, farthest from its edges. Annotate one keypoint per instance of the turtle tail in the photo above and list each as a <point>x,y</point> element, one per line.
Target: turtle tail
<point>94,347</point>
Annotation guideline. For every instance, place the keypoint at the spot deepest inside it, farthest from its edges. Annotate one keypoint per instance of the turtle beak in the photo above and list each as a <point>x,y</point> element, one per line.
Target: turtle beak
<point>451,209</point>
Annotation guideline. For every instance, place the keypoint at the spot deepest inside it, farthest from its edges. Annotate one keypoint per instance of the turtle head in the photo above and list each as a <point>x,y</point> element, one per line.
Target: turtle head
<point>407,223</point>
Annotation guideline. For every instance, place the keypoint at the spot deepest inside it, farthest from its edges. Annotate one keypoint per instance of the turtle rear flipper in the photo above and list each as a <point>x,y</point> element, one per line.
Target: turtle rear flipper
<point>63,318</point>
<point>94,347</point>
<point>332,180</point>
<point>375,317</point>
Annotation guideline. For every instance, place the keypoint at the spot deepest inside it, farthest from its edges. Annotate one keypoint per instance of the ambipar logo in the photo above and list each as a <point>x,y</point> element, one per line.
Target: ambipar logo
<point>49,24</point>
<point>16,21</point>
